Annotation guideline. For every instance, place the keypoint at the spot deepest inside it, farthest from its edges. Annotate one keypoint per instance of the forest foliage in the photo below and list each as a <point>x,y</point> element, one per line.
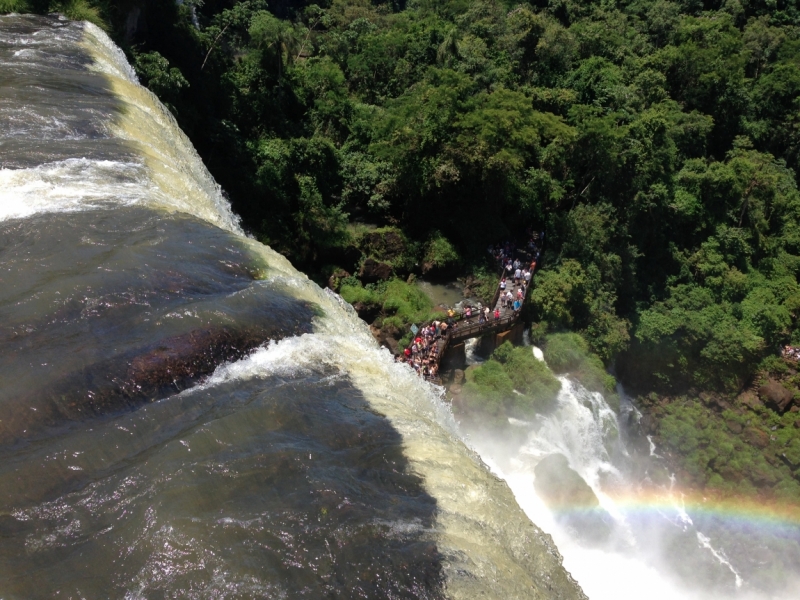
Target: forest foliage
<point>657,143</point>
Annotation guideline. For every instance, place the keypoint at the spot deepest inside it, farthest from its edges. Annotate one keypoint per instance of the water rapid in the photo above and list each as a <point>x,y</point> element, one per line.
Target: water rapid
<point>644,539</point>
<point>182,413</point>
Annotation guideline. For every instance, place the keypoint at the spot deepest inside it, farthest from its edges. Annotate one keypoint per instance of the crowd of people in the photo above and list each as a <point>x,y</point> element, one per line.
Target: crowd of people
<point>423,352</point>
<point>791,352</point>
<point>514,285</point>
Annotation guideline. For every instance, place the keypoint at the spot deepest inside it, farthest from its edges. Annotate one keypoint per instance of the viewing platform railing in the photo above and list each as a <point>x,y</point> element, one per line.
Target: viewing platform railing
<point>470,328</point>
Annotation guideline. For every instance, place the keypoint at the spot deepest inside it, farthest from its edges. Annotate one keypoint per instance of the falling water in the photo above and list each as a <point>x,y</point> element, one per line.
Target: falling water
<point>650,544</point>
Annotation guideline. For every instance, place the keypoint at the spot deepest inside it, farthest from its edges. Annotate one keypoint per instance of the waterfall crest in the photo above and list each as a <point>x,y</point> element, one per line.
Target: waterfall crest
<point>182,412</point>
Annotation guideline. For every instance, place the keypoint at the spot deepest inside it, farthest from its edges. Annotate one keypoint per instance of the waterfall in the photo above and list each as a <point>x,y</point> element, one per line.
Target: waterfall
<point>653,542</point>
<point>182,413</point>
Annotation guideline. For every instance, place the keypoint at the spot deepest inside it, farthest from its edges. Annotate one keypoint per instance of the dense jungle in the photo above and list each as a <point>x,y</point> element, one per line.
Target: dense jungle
<point>656,142</point>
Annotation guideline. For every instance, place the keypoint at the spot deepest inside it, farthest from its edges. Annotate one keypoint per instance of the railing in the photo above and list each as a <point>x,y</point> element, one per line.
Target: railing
<point>468,330</point>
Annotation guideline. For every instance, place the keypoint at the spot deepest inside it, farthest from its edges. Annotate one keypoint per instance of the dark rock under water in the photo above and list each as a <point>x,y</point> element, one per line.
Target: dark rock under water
<point>572,501</point>
<point>135,310</point>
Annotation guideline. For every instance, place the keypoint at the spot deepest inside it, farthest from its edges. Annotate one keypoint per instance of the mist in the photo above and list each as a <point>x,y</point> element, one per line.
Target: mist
<point>651,544</point>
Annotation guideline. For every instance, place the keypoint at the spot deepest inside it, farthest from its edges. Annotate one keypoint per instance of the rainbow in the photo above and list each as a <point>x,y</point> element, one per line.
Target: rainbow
<point>745,511</point>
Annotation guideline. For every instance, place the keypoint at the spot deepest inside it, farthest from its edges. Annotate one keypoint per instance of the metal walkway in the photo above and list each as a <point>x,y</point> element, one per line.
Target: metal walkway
<point>466,328</point>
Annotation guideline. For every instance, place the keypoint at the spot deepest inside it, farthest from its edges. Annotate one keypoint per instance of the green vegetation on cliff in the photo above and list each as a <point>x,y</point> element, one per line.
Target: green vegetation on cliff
<point>569,354</point>
<point>512,383</point>
<point>729,448</point>
<point>392,305</point>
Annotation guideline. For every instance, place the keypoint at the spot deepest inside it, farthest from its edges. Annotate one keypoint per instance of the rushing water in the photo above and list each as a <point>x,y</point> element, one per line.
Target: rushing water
<point>646,539</point>
<point>183,414</point>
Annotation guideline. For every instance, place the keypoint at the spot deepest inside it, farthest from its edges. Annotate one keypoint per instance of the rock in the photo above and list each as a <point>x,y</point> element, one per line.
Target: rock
<point>611,482</point>
<point>560,486</point>
<point>775,396</point>
<point>749,399</point>
<point>387,336</point>
<point>797,424</point>
<point>455,389</point>
<point>714,401</point>
<point>755,437</point>
<point>572,501</point>
<point>721,404</point>
<point>134,22</point>
<point>367,312</point>
<point>143,375</point>
<point>388,244</point>
<point>392,344</point>
<point>458,376</point>
<point>734,426</point>
<point>336,278</point>
<point>373,271</point>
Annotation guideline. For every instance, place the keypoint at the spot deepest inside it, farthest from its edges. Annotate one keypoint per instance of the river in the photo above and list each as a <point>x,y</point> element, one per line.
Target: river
<point>182,413</point>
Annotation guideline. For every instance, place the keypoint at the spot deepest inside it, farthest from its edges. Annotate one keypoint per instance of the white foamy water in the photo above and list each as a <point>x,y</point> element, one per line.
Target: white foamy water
<point>161,169</point>
<point>73,184</point>
<point>635,562</point>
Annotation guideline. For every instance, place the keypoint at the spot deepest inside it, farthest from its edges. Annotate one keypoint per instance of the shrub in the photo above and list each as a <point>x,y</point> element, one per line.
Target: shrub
<point>532,378</point>
<point>439,253</point>
<point>485,284</point>
<point>569,353</point>
<point>14,6</point>
<point>719,459</point>
<point>565,351</point>
<point>388,245</point>
<point>164,80</point>
<point>356,293</point>
<point>407,302</point>
<point>511,383</point>
<point>539,332</point>
<point>503,352</point>
<point>773,364</point>
<point>402,304</point>
<point>491,380</point>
